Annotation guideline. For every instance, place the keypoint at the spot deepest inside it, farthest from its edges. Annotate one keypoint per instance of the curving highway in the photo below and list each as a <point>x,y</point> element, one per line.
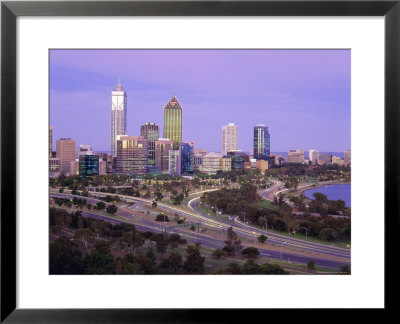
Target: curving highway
<point>293,250</point>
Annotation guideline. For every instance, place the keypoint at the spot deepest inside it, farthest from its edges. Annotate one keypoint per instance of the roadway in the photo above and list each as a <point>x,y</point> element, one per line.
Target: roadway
<point>223,225</point>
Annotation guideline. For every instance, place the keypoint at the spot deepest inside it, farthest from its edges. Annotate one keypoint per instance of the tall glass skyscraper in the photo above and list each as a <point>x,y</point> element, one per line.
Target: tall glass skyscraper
<point>261,145</point>
<point>118,116</point>
<point>150,132</point>
<point>88,165</point>
<point>186,153</point>
<point>173,122</point>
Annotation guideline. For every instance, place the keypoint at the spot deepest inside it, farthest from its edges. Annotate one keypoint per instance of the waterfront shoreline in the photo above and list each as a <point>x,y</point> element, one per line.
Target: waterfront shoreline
<point>303,191</point>
<point>319,185</point>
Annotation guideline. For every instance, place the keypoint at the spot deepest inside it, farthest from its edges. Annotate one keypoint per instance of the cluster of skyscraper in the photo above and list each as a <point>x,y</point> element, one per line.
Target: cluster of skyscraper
<point>150,153</point>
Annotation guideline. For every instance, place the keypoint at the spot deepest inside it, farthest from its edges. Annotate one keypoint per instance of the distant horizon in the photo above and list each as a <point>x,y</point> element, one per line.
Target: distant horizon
<point>302,96</point>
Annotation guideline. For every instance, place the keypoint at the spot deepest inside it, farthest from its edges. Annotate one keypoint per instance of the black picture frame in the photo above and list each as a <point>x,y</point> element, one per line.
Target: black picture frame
<point>10,10</point>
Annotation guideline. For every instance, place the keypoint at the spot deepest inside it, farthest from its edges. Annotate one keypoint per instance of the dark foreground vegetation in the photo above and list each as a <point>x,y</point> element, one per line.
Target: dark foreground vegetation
<point>85,245</point>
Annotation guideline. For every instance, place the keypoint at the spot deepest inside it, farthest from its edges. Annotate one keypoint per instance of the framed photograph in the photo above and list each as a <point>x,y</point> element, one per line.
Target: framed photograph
<point>208,149</point>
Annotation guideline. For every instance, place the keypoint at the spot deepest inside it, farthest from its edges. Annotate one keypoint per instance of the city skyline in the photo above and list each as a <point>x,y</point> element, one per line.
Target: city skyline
<point>320,129</point>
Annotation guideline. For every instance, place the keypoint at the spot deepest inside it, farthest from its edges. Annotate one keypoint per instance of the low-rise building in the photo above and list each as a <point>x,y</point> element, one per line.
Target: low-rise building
<point>295,156</point>
<point>88,165</point>
<point>211,163</point>
<point>347,158</point>
<point>54,165</point>
<point>325,158</point>
<point>226,164</point>
<point>337,160</point>
<point>74,167</point>
<point>238,159</point>
<point>262,165</point>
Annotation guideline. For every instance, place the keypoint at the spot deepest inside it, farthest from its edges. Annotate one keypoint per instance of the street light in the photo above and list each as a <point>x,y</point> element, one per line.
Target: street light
<point>254,233</point>
<point>306,231</point>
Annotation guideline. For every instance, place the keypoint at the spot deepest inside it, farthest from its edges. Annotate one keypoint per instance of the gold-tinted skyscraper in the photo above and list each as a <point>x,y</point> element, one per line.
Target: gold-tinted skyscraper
<point>173,121</point>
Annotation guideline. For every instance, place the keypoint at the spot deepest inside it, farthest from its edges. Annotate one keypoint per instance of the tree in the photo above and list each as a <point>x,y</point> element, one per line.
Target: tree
<point>161,243</point>
<point>194,262</point>
<point>345,269</point>
<point>84,235</point>
<point>280,200</point>
<point>251,252</point>
<point>272,269</point>
<point>328,234</point>
<point>65,257</point>
<point>233,268</point>
<point>218,254</point>
<point>174,240</point>
<point>132,240</point>
<point>251,267</point>
<point>162,218</point>
<point>111,209</point>
<point>99,263</point>
<point>262,238</point>
<point>233,243</point>
<point>311,265</point>
<point>100,205</point>
<point>154,204</point>
<point>174,262</point>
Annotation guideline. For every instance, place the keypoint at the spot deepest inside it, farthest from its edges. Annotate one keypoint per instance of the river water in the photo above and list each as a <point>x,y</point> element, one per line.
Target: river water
<point>333,192</point>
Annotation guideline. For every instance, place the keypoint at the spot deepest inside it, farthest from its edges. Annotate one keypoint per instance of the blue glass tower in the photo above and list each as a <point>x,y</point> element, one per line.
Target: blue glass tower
<point>261,144</point>
<point>186,153</point>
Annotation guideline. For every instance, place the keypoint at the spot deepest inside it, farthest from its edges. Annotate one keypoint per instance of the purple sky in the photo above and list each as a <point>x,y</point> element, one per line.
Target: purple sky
<point>303,96</point>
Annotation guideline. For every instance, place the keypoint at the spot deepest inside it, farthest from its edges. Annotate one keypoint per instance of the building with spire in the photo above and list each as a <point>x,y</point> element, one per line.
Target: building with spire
<point>261,144</point>
<point>118,116</point>
<point>173,122</point>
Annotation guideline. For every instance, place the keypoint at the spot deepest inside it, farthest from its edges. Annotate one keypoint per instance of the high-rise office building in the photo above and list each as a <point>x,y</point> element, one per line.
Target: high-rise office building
<point>88,165</point>
<point>347,158</point>
<point>150,132</point>
<point>132,155</point>
<point>187,156</point>
<point>174,162</point>
<point>163,146</point>
<point>65,153</point>
<point>313,156</point>
<point>229,138</point>
<point>118,116</point>
<point>295,156</point>
<point>261,144</point>
<point>50,141</point>
<point>173,122</point>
